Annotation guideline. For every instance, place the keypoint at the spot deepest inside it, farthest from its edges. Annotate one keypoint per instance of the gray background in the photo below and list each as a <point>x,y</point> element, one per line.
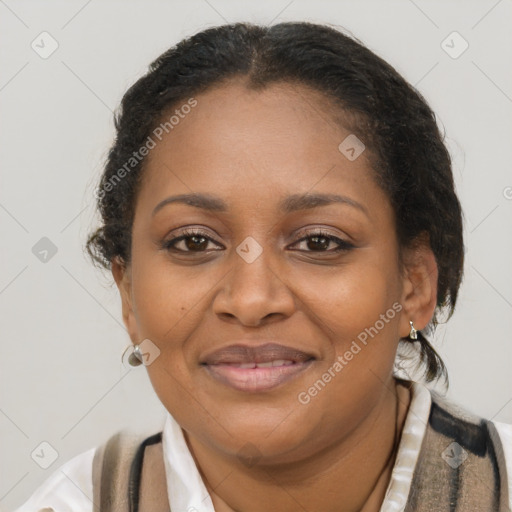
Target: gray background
<point>62,380</point>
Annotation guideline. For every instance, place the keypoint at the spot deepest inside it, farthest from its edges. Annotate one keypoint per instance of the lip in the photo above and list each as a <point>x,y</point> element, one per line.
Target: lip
<point>235,365</point>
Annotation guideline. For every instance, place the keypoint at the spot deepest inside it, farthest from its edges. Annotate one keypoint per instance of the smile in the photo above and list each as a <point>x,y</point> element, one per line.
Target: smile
<point>250,367</point>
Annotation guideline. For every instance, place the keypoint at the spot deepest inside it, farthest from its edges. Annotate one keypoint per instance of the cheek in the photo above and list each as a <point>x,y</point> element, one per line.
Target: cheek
<point>169,306</point>
<point>352,297</point>
<point>168,300</point>
<point>358,309</point>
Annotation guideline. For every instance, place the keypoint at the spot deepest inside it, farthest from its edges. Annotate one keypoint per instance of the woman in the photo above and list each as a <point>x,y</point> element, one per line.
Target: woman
<point>279,216</point>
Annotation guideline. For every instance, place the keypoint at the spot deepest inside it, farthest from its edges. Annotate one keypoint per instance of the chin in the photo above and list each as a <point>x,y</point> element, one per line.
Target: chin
<point>271,439</point>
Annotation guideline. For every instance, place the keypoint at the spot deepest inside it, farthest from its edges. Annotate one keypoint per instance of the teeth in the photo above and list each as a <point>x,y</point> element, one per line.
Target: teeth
<point>281,362</point>
<point>247,365</point>
<point>277,362</point>
<point>268,364</point>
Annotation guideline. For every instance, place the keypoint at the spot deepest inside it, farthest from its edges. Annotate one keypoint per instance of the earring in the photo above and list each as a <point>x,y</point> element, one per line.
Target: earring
<point>413,333</point>
<point>135,358</point>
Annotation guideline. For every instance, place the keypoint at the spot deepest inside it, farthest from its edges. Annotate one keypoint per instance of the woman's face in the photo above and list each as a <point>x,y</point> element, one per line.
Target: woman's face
<point>255,270</point>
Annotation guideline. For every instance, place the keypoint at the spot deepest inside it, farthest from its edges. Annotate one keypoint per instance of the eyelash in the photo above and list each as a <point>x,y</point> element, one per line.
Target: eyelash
<point>344,246</point>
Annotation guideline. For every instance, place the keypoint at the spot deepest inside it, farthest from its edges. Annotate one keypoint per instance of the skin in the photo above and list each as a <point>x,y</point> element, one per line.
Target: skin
<point>252,149</point>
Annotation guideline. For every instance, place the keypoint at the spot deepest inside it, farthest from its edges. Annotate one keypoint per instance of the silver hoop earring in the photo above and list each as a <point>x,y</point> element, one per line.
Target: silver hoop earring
<point>413,333</point>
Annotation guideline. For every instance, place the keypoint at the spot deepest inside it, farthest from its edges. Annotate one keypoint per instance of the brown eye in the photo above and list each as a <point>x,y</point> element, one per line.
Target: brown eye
<point>320,241</point>
<point>192,241</point>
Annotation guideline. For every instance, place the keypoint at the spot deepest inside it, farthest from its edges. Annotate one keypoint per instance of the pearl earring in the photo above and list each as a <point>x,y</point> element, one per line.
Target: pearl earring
<point>135,357</point>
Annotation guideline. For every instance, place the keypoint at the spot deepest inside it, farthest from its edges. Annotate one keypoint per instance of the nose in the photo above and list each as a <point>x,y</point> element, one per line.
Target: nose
<point>254,292</point>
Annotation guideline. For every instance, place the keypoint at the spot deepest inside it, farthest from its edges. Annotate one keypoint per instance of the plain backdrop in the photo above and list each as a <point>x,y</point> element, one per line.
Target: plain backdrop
<point>62,379</point>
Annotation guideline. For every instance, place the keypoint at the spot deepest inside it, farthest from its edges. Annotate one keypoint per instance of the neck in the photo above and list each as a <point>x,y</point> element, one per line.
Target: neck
<point>351,475</point>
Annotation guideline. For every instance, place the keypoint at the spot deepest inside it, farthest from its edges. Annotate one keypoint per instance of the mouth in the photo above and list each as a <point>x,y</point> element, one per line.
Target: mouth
<point>256,368</point>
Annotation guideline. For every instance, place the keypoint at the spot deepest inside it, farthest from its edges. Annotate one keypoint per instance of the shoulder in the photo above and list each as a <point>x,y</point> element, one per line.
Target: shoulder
<point>471,430</point>
<point>452,419</point>
<point>505,434</point>
<point>68,488</point>
<point>467,440</point>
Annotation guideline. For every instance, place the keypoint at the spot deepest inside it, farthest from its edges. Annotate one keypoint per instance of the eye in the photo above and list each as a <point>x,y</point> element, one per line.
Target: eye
<point>193,241</point>
<point>196,241</point>
<point>320,240</point>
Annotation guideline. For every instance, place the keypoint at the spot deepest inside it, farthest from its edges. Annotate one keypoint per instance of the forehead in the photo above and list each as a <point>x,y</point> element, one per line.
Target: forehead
<point>237,142</point>
<point>241,120</point>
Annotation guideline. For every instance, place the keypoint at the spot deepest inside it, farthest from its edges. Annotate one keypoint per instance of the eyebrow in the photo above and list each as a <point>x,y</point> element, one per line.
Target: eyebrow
<point>289,204</point>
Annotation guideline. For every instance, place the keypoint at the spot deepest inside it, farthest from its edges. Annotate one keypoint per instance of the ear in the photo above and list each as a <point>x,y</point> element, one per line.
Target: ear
<point>419,290</point>
<point>122,277</point>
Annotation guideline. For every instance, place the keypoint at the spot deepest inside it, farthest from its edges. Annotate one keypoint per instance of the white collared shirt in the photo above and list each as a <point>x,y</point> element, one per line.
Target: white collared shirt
<point>69,488</point>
